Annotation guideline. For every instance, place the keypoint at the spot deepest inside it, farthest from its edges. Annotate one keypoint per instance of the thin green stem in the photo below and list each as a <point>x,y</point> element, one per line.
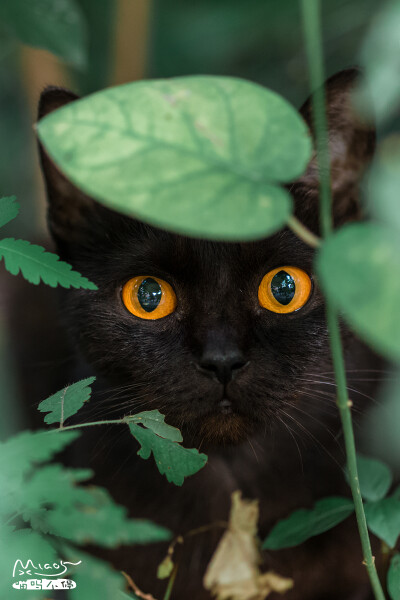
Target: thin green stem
<point>171,582</point>
<point>344,405</point>
<point>311,10</point>
<point>303,232</point>
<point>312,27</point>
<point>123,421</point>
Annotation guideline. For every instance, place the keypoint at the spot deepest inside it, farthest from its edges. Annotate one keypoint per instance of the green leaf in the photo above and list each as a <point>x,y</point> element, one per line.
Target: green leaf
<point>172,460</point>
<point>303,524</point>
<point>66,402</point>
<point>379,93</point>
<point>383,518</point>
<point>165,568</point>
<point>102,522</point>
<point>384,183</point>
<point>24,545</point>
<point>57,26</point>
<point>393,578</point>
<point>359,271</point>
<point>20,454</point>
<point>9,209</point>
<point>36,264</point>
<point>218,145</point>
<point>94,578</point>
<point>374,476</point>
<point>55,486</point>
<point>154,420</point>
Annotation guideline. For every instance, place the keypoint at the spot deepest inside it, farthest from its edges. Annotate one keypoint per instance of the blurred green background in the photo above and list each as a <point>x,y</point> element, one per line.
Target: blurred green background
<point>260,40</point>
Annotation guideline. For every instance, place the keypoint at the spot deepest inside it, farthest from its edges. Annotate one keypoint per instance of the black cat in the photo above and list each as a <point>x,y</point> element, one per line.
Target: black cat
<point>249,385</point>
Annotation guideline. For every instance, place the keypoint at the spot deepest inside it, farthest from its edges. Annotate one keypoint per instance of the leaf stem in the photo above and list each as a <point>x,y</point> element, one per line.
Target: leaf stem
<point>171,582</point>
<point>123,421</point>
<point>303,232</point>
<point>311,10</point>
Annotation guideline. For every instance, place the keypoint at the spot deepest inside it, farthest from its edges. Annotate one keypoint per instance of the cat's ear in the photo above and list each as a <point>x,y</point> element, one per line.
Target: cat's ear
<point>351,146</point>
<point>70,211</point>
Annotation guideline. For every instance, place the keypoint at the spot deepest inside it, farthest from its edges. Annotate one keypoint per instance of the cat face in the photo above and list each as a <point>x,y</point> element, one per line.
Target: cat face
<point>218,361</point>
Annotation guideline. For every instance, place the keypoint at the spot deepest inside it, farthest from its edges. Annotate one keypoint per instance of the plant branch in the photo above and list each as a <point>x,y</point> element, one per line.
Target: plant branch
<point>312,29</point>
<point>303,232</point>
<point>135,588</point>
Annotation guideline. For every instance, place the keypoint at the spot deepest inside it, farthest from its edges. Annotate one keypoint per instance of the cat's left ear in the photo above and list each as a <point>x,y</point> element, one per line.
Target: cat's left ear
<point>71,212</point>
<point>351,146</point>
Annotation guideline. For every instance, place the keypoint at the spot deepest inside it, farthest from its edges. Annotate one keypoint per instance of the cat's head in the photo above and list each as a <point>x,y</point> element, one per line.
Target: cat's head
<point>220,337</point>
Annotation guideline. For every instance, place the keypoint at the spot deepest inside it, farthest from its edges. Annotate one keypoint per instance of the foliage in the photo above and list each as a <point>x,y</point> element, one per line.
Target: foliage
<point>393,579</point>
<point>33,261</point>
<point>303,524</point>
<point>67,401</point>
<point>379,94</point>
<point>148,427</point>
<point>56,26</point>
<point>9,209</point>
<point>51,499</point>
<point>374,476</point>
<point>35,264</point>
<point>359,270</point>
<point>172,460</point>
<point>224,141</point>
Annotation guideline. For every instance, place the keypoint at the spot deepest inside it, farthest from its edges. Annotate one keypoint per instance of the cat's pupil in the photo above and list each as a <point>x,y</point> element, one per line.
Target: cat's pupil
<point>149,294</point>
<point>283,287</point>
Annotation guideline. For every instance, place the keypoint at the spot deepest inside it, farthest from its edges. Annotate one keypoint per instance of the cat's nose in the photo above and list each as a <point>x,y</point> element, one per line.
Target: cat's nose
<point>222,365</point>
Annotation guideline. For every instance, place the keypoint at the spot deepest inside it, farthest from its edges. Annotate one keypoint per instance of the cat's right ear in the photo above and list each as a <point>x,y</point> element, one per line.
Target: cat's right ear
<point>70,211</point>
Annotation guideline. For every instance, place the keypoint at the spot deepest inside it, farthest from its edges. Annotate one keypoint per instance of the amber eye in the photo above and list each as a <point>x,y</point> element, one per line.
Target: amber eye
<point>284,289</point>
<point>148,297</point>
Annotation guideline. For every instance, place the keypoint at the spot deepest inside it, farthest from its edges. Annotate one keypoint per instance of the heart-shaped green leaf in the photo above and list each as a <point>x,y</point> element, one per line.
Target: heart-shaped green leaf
<point>303,524</point>
<point>201,156</point>
<point>359,270</point>
<point>374,477</point>
<point>383,518</point>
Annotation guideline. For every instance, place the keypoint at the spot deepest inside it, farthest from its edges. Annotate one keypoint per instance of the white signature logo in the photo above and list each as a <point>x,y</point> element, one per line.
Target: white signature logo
<point>45,584</point>
<point>46,570</point>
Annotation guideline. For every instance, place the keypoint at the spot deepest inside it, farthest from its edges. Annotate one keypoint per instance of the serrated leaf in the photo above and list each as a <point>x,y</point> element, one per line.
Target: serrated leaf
<point>359,270</point>
<point>383,519</point>
<point>303,524</point>
<point>393,578</point>
<point>374,477</point>
<point>219,146</point>
<point>9,209</point>
<point>23,545</point>
<point>94,578</point>
<point>154,420</point>
<point>58,27</point>
<point>20,454</point>
<point>36,264</point>
<point>66,402</point>
<point>172,460</point>
<point>56,486</point>
<point>104,523</point>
